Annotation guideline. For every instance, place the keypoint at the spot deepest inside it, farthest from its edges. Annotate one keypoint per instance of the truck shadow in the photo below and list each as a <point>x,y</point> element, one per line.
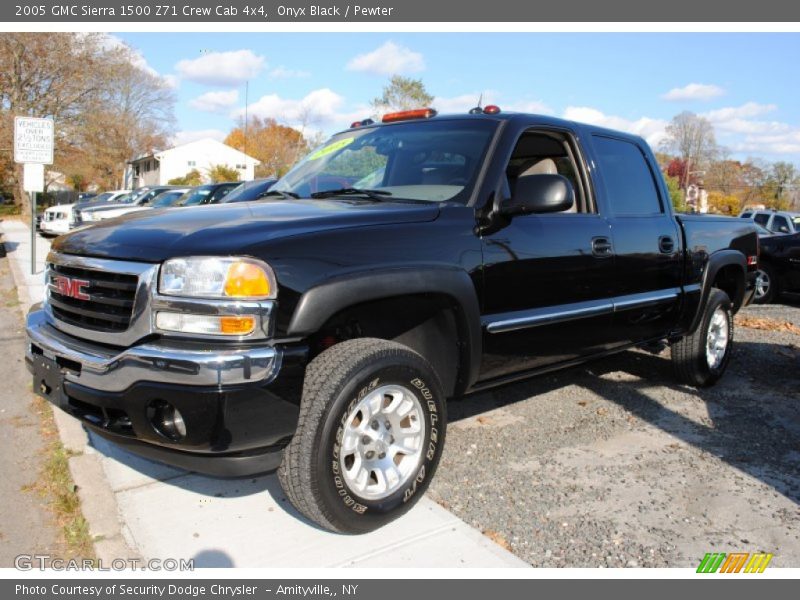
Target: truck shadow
<point>751,426</point>
<point>753,414</point>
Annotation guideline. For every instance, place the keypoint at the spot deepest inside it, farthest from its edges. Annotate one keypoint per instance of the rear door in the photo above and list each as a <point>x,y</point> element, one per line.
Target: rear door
<point>647,239</point>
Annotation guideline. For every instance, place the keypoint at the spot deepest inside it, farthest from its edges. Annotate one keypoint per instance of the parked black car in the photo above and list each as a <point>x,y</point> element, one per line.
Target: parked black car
<point>778,266</point>
<point>321,330</point>
<point>210,193</point>
<point>250,190</point>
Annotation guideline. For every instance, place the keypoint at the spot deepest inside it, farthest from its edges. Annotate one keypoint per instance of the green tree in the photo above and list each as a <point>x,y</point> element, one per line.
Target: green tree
<point>192,178</point>
<point>676,194</point>
<point>220,173</point>
<point>402,93</point>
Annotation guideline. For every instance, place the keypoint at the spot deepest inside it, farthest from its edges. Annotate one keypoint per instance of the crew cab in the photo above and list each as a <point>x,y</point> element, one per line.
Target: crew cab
<point>321,330</point>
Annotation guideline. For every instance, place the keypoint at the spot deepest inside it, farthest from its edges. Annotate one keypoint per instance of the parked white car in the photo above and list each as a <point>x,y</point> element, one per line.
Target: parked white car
<point>137,200</point>
<point>57,219</point>
<point>776,221</point>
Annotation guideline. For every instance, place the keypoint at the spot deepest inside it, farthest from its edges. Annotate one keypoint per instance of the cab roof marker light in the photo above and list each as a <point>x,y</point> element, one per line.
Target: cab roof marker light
<point>405,115</point>
<point>363,123</point>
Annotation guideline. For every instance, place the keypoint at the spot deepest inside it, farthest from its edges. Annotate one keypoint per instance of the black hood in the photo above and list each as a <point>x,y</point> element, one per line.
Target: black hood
<point>227,229</point>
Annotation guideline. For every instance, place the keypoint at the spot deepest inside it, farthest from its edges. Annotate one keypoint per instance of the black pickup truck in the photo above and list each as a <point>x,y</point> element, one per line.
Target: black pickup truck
<point>320,330</point>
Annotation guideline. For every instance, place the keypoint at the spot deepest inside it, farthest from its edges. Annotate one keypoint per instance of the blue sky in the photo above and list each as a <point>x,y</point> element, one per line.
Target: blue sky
<point>746,84</point>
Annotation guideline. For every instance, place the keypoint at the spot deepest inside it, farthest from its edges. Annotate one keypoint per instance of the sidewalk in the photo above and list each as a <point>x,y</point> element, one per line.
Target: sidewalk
<point>140,508</point>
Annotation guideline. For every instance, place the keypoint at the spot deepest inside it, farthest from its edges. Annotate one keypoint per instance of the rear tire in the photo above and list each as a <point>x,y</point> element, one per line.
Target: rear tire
<point>766,285</point>
<point>369,436</point>
<point>701,358</point>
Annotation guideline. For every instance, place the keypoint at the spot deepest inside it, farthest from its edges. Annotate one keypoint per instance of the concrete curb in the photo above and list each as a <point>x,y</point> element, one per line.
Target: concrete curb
<point>96,496</point>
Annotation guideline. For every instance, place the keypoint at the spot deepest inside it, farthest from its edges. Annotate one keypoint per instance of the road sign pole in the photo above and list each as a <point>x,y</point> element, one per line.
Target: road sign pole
<point>33,233</point>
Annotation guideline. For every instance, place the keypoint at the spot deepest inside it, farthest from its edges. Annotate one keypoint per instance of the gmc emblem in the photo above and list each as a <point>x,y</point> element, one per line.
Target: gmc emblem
<point>72,288</point>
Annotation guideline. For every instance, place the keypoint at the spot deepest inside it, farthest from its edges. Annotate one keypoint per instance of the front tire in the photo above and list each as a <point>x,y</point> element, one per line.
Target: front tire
<point>369,436</point>
<point>701,358</point>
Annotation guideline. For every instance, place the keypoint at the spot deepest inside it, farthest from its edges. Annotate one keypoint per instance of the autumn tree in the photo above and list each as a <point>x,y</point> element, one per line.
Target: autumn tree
<point>191,178</point>
<point>106,109</point>
<point>278,147</point>
<point>52,75</point>
<point>724,204</point>
<point>402,93</point>
<point>132,115</point>
<point>222,173</point>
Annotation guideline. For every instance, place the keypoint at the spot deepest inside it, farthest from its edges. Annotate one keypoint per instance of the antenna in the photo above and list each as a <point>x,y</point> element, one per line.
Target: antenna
<point>246,93</point>
<point>478,110</point>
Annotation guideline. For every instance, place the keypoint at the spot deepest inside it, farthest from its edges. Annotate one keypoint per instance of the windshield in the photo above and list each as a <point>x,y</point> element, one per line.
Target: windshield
<point>198,195</point>
<point>796,223</point>
<point>431,161</point>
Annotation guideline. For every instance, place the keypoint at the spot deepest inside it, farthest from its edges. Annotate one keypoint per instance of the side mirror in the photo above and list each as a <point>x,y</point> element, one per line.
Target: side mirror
<point>542,193</point>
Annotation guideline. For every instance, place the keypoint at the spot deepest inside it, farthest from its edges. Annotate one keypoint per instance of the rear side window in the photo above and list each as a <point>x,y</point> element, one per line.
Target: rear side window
<point>761,218</point>
<point>629,181</point>
<point>746,215</point>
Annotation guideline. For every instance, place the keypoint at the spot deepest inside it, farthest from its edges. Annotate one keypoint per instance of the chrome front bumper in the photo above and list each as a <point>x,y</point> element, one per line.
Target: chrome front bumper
<point>111,370</point>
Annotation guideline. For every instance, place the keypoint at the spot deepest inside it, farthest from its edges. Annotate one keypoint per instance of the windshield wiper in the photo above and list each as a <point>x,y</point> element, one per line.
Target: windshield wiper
<point>281,193</point>
<point>371,194</point>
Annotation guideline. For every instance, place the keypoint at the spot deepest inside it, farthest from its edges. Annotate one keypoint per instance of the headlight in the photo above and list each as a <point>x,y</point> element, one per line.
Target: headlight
<point>213,277</point>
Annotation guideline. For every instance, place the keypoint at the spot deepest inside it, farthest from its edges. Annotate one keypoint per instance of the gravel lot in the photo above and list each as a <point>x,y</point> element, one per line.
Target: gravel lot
<point>614,464</point>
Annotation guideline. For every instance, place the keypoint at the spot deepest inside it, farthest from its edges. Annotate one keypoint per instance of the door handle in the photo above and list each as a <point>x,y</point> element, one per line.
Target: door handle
<point>666,245</point>
<point>601,246</point>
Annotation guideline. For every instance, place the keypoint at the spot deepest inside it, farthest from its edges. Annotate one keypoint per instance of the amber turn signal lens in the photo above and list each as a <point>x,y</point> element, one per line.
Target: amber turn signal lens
<point>246,280</point>
<point>236,325</point>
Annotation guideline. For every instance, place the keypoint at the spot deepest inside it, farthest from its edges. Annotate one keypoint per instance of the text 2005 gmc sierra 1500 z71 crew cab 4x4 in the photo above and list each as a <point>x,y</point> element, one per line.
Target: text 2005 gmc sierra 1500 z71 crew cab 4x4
<point>319,330</point>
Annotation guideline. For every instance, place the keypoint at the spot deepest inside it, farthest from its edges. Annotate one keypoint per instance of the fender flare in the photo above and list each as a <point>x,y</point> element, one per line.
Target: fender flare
<point>321,302</point>
<point>718,260</point>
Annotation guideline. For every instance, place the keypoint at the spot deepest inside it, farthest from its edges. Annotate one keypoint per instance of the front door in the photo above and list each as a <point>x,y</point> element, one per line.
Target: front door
<point>548,278</point>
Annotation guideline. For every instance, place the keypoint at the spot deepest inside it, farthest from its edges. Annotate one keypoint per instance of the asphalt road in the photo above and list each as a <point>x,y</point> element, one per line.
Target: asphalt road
<point>614,464</point>
<point>26,524</point>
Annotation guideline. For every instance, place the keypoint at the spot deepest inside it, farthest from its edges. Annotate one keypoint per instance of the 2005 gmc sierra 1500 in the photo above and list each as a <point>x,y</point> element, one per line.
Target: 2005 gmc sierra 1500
<point>320,330</point>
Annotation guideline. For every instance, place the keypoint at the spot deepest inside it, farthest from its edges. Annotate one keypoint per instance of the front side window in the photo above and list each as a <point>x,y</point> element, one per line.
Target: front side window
<point>780,224</point>
<point>432,161</point>
<point>547,153</point>
<point>630,185</point>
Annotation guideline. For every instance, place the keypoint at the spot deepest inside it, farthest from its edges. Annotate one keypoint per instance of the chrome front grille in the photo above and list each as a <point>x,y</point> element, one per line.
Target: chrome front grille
<point>103,301</point>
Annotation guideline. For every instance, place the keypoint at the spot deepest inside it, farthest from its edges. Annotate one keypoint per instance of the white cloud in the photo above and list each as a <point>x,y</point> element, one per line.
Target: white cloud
<point>184,137</point>
<point>136,58</point>
<point>224,69</point>
<point>694,91</point>
<point>745,111</point>
<point>215,101</point>
<point>388,59</point>
<point>650,129</point>
<point>319,108</point>
<point>282,72</point>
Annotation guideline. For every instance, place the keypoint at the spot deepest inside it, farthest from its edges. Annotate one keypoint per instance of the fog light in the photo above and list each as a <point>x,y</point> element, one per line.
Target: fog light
<point>206,324</point>
<point>167,420</point>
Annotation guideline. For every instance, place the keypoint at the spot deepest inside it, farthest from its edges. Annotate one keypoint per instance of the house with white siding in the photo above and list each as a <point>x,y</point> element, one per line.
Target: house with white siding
<point>157,168</point>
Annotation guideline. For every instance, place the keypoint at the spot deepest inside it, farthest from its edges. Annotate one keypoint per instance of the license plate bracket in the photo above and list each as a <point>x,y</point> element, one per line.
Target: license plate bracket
<point>48,380</point>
